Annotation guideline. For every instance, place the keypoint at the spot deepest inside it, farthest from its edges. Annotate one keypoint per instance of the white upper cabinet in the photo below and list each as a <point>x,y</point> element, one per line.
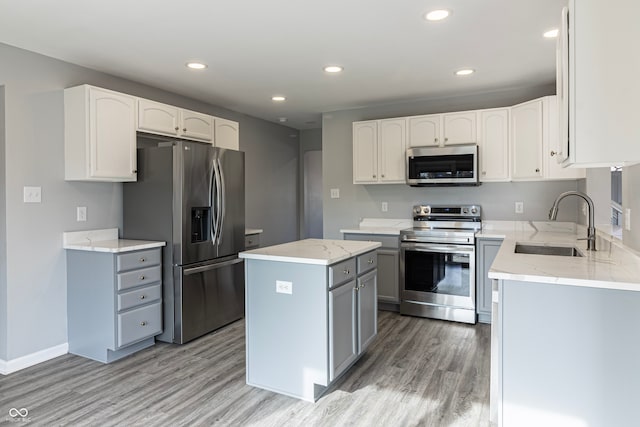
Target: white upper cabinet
<point>365,152</point>
<point>493,145</point>
<point>392,150</point>
<point>551,144</point>
<point>100,135</point>
<point>459,128</point>
<point>155,117</point>
<point>227,133</point>
<point>424,131</point>
<point>442,129</point>
<point>599,65</point>
<point>379,151</point>
<point>526,141</point>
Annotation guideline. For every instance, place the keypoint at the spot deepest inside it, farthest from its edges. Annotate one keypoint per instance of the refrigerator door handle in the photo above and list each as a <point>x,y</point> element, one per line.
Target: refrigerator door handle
<point>218,201</point>
<point>223,191</point>
<point>200,269</point>
<point>213,189</point>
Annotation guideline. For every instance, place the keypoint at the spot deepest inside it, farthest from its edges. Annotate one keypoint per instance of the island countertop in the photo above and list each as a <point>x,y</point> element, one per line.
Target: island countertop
<point>312,251</point>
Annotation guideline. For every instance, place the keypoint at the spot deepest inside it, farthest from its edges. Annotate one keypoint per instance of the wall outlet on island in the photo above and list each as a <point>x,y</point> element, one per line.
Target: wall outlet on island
<point>519,207</point>
<point>385,206</point>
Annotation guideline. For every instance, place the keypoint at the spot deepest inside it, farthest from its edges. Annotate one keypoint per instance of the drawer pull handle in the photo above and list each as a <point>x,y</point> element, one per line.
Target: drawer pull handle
<point>142,259</point>
<point>346,271</point>
<point>371,261</point>
<point>142,277</point>
<point>143,323</point>
<point>143,296</point>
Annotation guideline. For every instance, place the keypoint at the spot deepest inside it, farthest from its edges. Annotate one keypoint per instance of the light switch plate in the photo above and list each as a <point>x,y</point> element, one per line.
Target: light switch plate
<point>32,194</point>
<point>81,213</point>
<point>335,193</point>
<point>283,287</point>
<point>519,207</point>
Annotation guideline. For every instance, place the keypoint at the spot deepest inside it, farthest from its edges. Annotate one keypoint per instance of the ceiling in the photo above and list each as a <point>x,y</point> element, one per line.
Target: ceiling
<point>255,49</point>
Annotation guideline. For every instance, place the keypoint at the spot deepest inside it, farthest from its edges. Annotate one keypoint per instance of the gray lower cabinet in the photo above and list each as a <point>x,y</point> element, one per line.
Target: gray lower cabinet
<point>486,251</point>
<point>114,302</point>
<point>388,266</point>
<point>306,324</point>
<point>251,241</point>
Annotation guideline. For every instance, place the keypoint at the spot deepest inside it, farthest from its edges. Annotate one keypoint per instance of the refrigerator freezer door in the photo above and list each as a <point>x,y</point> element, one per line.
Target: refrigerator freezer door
<point>207,297</point>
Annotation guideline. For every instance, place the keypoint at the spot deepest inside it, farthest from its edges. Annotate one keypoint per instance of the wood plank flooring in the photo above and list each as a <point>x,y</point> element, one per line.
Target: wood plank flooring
<point>418,372</point>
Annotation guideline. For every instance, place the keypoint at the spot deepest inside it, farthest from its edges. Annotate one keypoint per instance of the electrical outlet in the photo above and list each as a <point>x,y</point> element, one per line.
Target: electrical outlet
<point>32,194</point>
<point>385,206</point>
<point>335,193</point>
<point>519,207</point>
<point>283,287</point>
<point>81,213</point>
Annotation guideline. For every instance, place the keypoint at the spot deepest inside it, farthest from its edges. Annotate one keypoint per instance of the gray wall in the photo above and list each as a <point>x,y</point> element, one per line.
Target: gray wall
<point>35,307</point>
<point>3,237</point>
<point>358,201</point>
<point>310,140</point>
<point>631,200</point>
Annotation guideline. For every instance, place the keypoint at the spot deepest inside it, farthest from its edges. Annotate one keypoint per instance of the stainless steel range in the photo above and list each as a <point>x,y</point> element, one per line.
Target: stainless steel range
<point>437,262</point>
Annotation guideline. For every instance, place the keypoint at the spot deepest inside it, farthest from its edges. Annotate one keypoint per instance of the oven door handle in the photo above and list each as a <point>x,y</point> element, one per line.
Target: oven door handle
<point>438,248</point>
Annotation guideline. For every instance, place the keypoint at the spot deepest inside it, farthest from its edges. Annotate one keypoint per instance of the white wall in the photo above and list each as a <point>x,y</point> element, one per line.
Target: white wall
<point>358,201</point>
<point>35,303</point>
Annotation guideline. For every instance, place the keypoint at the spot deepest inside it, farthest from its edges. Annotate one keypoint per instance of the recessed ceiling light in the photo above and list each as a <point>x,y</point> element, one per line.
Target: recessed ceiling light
<point>282,119</point>
<point>465,72</point>
<point>333,68</point>
<point>551,33</point>
<point>196,65</point>
<point>437,15</point>
<point>278,98</point>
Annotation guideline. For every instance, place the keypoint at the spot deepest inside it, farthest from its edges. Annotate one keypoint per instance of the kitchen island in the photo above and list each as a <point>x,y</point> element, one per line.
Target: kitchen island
<point>565,337</point>
<point>310,313</point>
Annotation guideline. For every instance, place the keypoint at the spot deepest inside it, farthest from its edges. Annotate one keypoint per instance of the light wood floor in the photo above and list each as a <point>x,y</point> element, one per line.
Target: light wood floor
<point>418,372</point>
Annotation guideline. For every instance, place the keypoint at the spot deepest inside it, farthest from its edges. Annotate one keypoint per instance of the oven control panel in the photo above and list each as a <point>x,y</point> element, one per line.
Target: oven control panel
<point>434,212</point>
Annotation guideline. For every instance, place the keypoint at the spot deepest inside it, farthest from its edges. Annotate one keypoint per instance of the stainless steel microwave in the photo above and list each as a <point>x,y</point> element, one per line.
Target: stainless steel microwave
<point>454,165</point>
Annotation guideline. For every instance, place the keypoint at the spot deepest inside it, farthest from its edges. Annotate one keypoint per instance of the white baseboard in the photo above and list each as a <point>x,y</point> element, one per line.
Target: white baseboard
<point>9,366</point>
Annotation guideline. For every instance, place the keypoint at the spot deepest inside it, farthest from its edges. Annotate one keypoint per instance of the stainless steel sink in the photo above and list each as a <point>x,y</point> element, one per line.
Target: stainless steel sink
<point>522,248</point>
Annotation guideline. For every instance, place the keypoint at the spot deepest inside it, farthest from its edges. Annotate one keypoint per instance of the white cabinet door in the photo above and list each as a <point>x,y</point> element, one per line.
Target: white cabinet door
<point>460,128</point>
<point>365,152</point>
<point>367,310</point>
<point>392,151</point>
<point>494,145</point>
<point>159,118</point>
<point>196,125</point>
<point>526,141</point>
<point>551,144</point>
<point>424,131</point>
<point>343,345</point>
<point>100,135</point>
<point>227,134</point>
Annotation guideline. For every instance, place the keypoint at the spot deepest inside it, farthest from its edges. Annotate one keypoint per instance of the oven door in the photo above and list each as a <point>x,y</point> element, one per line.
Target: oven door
<point>438,274</point>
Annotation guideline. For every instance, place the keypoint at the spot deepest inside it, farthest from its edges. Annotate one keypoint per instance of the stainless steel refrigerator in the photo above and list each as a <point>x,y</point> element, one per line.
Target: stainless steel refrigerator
<point>191,195</point>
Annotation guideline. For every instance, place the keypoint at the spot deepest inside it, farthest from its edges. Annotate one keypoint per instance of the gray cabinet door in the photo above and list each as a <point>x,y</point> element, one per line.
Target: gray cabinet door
<point>367,310</point>
<point>343,348</point>
<point>487,249</point>
<point>388,274</point>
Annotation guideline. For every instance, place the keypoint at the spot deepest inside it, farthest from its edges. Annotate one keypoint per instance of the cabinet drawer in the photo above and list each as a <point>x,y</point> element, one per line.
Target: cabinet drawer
<point>131,260</point>
<point>251,241</point>
<point>139,297</point>
<point>367,262</point>
<point>342,272</point>
<point>140,277</point>
<point>138,324</point>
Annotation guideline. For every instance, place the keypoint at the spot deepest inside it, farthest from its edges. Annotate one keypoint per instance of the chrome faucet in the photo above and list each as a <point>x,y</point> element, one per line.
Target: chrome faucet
<point>591,230</point>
